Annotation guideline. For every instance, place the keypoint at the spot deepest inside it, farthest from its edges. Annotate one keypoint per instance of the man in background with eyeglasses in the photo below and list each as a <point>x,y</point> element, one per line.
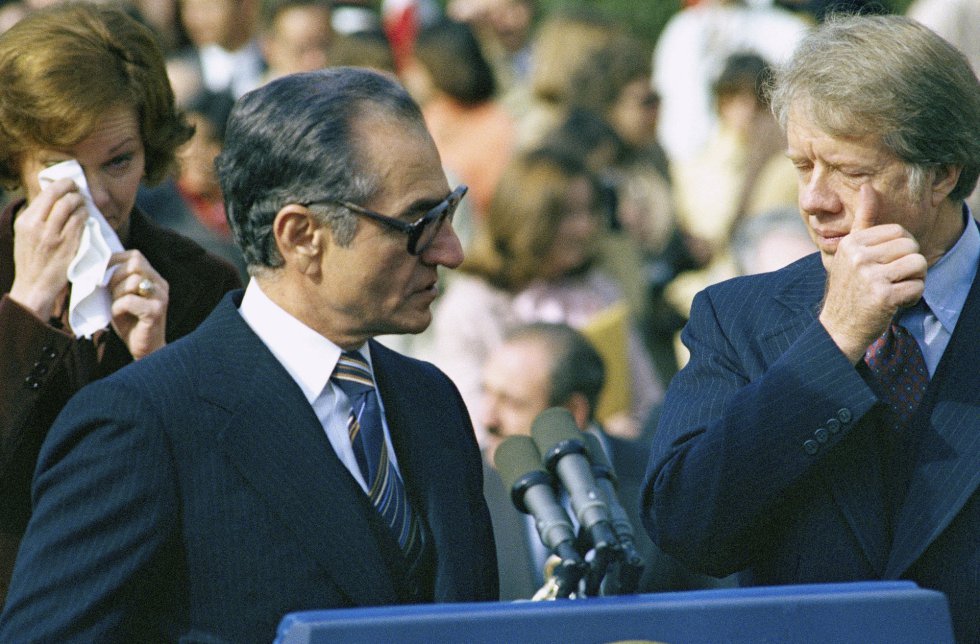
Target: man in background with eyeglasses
<point>278,459</point>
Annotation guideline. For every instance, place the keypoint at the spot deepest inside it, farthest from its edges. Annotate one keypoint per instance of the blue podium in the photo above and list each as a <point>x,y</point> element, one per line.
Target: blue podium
<point>890,612</point>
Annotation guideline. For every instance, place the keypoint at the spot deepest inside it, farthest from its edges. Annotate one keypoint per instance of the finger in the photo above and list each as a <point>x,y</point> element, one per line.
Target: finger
<point>125,284</point>
<point>133,261</point>
<point>908,267</point>
<point>866,214</point>
<point>68,215</point>
<point>889,249</point>
<point>907,292</point>
<point>136,309</point>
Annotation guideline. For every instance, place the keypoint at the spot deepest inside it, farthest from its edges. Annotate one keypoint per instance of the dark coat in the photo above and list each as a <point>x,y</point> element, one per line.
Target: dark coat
<point>42,366</point>
<point>766,458</point>
<point>195,494</point>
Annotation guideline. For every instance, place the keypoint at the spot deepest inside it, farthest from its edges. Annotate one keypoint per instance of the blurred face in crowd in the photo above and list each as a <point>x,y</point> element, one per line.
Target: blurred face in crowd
<point>197,172</point>
<point>635,112</point>
<point>113,159</point>
<point>575,239</point>
<point>298,40</point>
<point>228,23</point>
<point>516,385</point>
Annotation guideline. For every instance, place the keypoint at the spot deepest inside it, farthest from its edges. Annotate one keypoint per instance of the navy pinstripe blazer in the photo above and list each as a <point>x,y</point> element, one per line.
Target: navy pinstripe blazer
<point>194,496</point>
<point>765,458</point>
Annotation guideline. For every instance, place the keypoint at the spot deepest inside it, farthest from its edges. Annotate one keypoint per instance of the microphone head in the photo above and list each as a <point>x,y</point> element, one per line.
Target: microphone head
<point>555,433</point>
<point>516,457</point>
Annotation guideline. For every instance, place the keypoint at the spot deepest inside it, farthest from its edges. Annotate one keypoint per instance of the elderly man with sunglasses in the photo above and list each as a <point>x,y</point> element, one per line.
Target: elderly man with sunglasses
<point>278,459</point>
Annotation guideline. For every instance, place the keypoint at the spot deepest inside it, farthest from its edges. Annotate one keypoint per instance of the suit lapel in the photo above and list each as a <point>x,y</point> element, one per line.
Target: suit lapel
<point>947,470</point>
<point>856,483</point>
<point>415,417</point>
<point>275,441</point>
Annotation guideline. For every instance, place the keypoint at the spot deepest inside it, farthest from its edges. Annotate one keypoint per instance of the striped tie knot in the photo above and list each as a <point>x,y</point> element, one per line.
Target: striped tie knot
<point>353,375</point>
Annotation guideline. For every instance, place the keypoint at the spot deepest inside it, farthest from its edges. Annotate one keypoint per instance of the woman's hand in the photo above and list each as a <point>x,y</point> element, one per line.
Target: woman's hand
<point>46,237</point>
<point>139,303</point>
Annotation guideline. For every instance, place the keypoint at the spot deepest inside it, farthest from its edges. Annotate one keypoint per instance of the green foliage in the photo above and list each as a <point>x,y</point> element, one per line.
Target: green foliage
<point>644,18</point>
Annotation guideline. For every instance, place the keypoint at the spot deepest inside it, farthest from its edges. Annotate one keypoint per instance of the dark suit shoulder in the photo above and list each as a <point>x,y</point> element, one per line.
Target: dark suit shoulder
<point>396,361</point>
<point>766,299</point>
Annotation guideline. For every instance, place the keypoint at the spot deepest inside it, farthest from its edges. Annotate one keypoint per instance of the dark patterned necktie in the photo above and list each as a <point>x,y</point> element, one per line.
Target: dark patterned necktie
<point>385,487</point>
<point>899,379</point>
<point>899,373</point>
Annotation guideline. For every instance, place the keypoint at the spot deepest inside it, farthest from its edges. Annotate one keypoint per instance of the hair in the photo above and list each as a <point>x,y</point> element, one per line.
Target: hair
<point>576,365</point>
<point>893,77</point>
<point>452,55</point>
<point>362,49</point>
<point>744,73</point>
<point>564,42</point>
<point>581,133</point>
<point>294,140</point>
<point>270,10</point>
<point>598,82</point>
<point>63,67</point>
<point>525,212</point>
<point>213,107</point>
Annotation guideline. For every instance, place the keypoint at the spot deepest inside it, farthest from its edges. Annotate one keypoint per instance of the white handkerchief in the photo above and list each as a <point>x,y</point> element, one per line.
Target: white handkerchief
<point>89,308</point>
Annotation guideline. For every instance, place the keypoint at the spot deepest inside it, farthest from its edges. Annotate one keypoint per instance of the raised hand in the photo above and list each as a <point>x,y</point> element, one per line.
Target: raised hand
<point>140,297</point>
<point>46,237</point>
<point>876,269</point>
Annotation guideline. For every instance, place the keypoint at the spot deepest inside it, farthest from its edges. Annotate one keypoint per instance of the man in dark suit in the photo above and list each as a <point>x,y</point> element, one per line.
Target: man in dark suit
<point>780,451</point>
<point>542,365</point>
<point>205,493</point>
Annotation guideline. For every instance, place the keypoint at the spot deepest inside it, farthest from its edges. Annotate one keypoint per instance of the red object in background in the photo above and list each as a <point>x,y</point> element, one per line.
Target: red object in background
<point>400,21</point>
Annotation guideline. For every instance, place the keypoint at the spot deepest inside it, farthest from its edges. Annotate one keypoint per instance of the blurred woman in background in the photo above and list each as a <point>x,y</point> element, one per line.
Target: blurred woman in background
<point>535,261</point>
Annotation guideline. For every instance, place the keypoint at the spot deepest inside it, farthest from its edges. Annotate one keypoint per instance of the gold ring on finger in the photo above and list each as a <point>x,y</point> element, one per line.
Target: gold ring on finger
<point>146,287</point>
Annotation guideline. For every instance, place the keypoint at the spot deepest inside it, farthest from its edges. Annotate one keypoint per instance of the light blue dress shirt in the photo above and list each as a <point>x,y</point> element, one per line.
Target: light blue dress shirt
<point>948,283</point>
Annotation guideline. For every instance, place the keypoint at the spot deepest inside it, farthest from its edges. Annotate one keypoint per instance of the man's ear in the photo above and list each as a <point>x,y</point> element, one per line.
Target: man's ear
<point>299,237</point>
<point>581,410</point>
<point>943,182</point>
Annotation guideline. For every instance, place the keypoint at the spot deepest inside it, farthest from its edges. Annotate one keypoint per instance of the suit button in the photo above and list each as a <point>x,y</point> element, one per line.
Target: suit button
<point>822,435</point>
<point>31,382</point>
<point>40,369</point>
<point>48,352</point>
<point>833,425</point>
<point>811,447</point>
<point>844,415</point>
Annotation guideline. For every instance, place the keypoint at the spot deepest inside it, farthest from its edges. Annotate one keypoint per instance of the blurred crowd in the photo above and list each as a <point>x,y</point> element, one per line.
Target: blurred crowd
<point>609,178</point>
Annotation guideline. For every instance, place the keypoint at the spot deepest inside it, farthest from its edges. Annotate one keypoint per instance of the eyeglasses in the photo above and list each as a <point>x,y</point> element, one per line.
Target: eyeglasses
<point>422,231</point>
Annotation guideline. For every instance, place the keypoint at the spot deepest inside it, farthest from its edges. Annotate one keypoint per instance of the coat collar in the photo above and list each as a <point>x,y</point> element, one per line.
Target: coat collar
<point>274,439</point>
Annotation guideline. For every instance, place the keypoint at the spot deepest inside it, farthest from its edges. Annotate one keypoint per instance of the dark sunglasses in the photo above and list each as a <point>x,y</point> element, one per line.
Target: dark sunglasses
<point>422,231</point>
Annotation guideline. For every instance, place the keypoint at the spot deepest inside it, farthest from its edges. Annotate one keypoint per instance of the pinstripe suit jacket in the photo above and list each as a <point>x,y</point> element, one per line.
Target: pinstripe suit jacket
<point>765,458</point>
<point>194,496</point>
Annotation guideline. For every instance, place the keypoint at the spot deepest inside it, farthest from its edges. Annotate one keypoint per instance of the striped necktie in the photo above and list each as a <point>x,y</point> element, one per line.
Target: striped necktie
<point>385,487</point>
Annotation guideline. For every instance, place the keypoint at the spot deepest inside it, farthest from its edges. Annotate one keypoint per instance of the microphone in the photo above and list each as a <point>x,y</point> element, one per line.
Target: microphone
<point>560,442</point>
<point>631,567</point>
<point>532,491</point>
